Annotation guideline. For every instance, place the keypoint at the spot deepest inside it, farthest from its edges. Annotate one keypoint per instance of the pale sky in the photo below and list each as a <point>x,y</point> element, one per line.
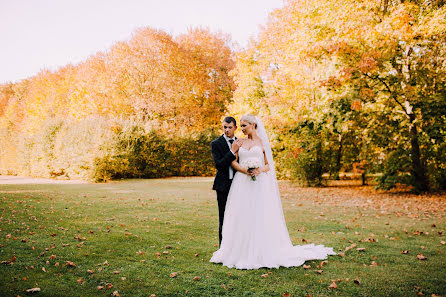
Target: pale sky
<point>47,34</point>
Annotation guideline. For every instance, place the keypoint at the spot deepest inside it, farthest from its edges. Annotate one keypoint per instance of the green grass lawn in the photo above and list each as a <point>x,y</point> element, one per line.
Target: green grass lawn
<point>133,234</point>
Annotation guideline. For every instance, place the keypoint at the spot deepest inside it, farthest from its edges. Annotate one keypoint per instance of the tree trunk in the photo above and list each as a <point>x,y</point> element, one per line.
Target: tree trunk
<point>338,157</point>
<point>364,181</point>
<point>421,183</point>
<point>385,6</point>
<point>319,169</point>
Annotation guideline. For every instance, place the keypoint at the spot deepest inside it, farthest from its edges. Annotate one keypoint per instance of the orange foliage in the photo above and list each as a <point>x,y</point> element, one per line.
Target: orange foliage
<point>180,84</point>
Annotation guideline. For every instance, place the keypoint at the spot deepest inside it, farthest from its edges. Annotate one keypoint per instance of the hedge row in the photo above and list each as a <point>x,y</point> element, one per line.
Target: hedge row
<point>101,149</point>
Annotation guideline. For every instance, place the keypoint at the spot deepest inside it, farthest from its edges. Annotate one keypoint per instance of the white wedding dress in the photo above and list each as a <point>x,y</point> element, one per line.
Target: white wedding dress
<point>254,229</point>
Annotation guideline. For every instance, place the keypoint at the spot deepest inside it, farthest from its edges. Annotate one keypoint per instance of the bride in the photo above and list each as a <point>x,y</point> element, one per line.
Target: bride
<point>254,229</point>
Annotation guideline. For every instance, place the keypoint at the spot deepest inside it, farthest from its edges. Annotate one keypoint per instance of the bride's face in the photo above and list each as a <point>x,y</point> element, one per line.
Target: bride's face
<point>246,127</point>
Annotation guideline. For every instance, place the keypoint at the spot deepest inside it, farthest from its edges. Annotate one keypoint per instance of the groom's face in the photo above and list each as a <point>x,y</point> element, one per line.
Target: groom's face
<point>229,129</point>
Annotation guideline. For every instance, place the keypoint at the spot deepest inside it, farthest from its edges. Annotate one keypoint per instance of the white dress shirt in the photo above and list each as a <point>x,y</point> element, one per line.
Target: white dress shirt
<point>231,170</point>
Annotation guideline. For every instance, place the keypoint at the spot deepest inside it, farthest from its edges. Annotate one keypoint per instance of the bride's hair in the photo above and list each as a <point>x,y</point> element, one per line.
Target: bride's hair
<point>250,119</point>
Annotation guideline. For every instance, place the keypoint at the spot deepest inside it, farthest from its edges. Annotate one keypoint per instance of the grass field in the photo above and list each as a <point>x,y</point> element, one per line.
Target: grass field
<point>127,238</point>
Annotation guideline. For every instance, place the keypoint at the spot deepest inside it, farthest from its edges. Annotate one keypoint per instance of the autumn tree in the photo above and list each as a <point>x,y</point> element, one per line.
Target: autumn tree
<point>383,60</point>
<point>397,64</point>
<point>153,83</point>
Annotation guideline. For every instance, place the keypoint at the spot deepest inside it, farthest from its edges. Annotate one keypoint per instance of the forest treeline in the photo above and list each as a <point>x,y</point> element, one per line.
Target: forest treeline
<point>340,85</point>
<point>148,107</point>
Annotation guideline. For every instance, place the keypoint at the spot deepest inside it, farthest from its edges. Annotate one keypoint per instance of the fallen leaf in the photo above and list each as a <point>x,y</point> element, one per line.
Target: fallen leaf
<point>306,266</point>
<point>360,249</point>
<point>33,290</point>
<point>108,286</point>
<point>405,252</point>
<point>174,274</point>
<point>116,272</point>
<point>319,271</point>
<point>43,269</point>
<point>100,287</point>
<point>69,263</point>
<point>286,294</point>
<point>80,280</point>
<point>421,257</point>
<point>115,293</point>
<point>350,247</point>
<point>264,275</point>
<point>333,286</point>
<point>357,281</point>
<point>196,278</point>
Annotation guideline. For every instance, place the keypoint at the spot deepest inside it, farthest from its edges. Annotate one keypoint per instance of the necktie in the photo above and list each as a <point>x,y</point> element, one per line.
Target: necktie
<point>231,172</point>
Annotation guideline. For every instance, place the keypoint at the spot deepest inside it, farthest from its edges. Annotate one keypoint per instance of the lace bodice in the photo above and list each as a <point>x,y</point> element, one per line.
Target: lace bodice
<point>253,152</point>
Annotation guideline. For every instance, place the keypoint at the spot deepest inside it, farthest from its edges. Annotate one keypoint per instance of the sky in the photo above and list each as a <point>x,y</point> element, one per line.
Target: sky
<point>47,34</point>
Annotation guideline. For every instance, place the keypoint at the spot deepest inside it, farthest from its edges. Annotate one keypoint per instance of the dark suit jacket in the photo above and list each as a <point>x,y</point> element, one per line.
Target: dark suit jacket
<point>222,159</point>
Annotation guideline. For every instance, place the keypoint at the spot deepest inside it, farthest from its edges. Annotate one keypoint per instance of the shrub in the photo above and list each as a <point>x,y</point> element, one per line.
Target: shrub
<point>101,149</point>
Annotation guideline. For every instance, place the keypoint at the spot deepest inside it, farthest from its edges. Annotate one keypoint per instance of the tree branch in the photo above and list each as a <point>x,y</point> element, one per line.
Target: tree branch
<point>392,95</point>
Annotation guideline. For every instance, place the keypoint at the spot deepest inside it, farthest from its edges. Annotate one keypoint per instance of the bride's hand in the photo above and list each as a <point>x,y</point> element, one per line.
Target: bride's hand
<point>246,171</point>
<point>255,172</point>
<point>236,145</point>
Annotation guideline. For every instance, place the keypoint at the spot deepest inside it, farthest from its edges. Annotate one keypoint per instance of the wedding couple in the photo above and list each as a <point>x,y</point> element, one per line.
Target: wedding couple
<point>252,229</point>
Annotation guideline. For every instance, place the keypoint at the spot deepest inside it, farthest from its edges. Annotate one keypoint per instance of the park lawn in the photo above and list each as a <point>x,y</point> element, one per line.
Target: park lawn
<point>133,234</point>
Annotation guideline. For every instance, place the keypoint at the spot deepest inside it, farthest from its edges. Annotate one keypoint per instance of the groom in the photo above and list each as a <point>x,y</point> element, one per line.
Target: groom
<point>223,153</point>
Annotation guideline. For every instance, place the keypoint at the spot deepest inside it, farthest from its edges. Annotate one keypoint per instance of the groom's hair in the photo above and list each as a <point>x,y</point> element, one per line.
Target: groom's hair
<point>230,120</point>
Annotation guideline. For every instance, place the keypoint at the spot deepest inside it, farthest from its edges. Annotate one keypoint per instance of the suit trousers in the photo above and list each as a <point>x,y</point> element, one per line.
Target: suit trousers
<point>222,197</point>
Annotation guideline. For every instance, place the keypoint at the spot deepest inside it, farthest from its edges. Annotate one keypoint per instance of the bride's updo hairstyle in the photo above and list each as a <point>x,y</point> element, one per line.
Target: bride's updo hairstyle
<point>250,119</point>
